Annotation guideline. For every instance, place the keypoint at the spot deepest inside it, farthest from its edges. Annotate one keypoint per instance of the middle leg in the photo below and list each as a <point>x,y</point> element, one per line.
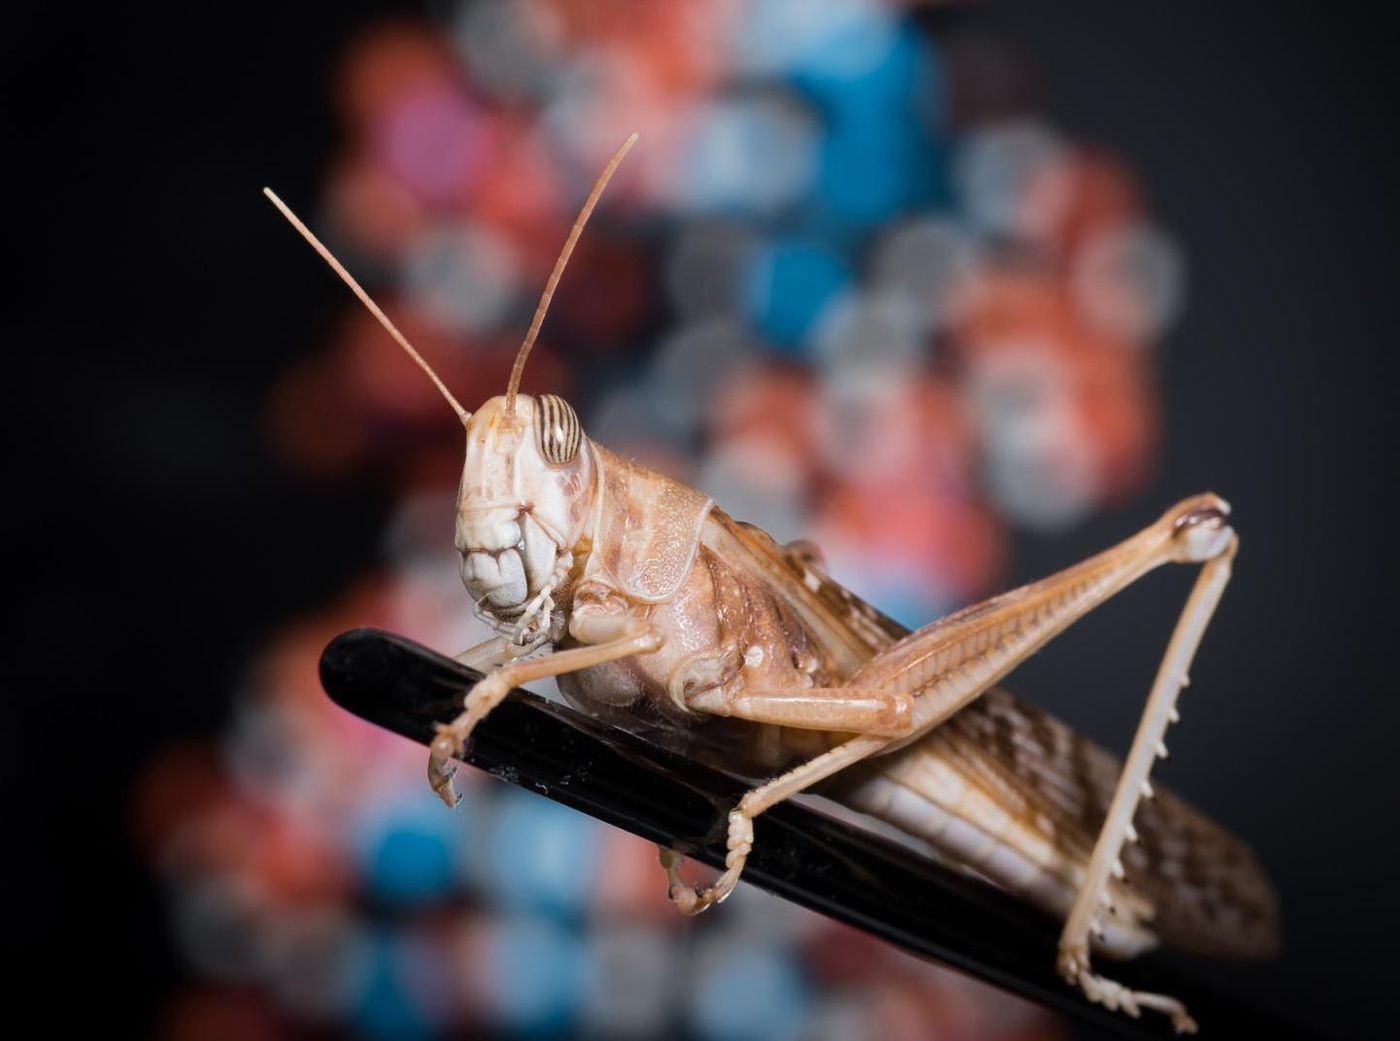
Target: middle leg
<point>691,900</point>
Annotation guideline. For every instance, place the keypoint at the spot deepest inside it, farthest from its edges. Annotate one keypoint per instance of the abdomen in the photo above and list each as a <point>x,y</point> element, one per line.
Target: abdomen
<point>1017,797</point>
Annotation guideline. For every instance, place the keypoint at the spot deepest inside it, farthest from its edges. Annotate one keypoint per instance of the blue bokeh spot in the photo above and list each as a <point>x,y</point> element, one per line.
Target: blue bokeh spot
<point>789,283</point>
<point>751,995</point>
<point>541,970</point>
<point>409,847</point>
<point>543,856</point>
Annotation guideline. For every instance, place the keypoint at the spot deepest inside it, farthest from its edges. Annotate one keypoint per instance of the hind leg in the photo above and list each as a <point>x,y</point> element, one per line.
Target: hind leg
<point>950,663</point>
<point>1133,784</point>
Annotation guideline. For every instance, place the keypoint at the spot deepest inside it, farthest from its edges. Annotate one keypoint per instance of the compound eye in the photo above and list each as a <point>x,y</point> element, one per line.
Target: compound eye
<point>557,428</point>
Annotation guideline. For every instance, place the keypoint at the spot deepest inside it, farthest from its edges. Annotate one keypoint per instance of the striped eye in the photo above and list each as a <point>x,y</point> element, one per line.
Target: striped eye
<point>557,428</point>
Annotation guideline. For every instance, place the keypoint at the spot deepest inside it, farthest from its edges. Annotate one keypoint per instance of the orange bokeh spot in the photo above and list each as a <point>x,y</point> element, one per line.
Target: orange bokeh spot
<point>769,402</point>
<point>1104,194</point>
<point>372,211</point>
<point>518,191</point>
<point>954,541</point>
<point>387,62</point>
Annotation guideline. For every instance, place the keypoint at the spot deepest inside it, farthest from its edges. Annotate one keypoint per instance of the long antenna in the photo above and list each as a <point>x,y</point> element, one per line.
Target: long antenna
<point>349,280</point>
<point>519,367</point>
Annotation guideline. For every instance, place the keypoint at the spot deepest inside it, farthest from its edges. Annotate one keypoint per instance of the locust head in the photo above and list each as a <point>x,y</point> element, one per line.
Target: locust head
<point>523,502</point>
<point>528,480</point>
<point>527,483</point>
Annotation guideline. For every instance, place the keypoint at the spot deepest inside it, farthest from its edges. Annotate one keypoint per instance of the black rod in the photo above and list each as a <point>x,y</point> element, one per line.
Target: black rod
<point>800,853</point>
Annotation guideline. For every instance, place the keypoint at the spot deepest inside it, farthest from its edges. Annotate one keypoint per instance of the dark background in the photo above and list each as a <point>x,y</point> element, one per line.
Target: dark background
<point>157,296</point>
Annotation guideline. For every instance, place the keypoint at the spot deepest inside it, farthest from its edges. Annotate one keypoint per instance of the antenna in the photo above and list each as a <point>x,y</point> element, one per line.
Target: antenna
<point>519,368</point>
<point>393,331</point>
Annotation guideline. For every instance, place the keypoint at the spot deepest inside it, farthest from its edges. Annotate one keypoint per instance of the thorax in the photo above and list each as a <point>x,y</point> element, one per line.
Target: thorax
<point>724,628</point>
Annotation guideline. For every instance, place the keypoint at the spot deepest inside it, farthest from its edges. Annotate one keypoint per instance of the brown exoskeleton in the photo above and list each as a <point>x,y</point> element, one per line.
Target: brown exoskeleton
<point>649,596</point>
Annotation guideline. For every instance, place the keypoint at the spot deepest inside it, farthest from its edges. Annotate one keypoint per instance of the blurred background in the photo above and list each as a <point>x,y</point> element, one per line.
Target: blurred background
<point>963,292</point>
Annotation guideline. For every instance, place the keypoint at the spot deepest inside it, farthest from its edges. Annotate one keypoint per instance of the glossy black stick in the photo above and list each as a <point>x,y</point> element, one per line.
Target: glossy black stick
<point>799,853</point>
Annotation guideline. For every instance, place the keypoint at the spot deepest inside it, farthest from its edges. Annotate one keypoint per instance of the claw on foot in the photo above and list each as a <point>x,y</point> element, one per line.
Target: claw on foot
<point>687,900</point>
<point>441,768</point>
<point>1182,1022</point>
<point>691,900</point>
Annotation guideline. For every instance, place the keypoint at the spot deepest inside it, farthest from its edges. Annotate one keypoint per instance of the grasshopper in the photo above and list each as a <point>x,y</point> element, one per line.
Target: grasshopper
<point>640,595</point>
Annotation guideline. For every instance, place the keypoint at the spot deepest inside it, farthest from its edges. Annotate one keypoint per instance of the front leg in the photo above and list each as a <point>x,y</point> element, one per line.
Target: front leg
<point>491,690</point>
